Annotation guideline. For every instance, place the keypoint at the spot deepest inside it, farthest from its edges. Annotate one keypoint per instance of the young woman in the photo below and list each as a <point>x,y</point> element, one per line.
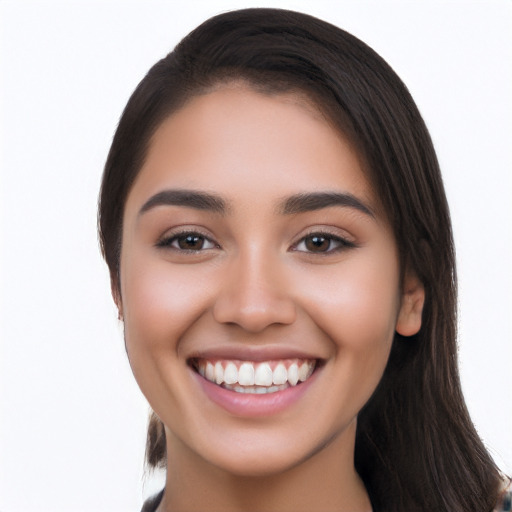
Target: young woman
<point>280,251</point>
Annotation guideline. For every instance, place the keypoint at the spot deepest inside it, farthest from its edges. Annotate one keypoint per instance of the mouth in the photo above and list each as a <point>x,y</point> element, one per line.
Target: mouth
<point>249,377</point>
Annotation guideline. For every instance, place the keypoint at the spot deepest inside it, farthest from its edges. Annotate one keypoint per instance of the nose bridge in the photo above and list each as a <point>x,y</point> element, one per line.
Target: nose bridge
<point>254,294</point>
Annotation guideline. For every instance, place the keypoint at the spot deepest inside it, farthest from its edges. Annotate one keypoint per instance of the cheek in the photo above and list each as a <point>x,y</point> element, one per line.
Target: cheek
<point>159,305</point>
<point>356,304</point>
<point>356,307</point>
<point>357,311</point>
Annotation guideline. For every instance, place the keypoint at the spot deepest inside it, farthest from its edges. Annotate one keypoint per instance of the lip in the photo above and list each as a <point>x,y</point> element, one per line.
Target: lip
<point>255,354</point>
<point>253,405</point>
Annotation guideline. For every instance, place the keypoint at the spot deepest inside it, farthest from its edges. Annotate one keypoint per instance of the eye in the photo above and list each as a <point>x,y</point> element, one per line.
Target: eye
<point>322,243</point>
<point>187,241</point>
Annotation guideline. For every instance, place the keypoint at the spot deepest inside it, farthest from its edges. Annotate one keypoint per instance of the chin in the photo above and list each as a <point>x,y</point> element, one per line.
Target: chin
<point>254,456</point>
<point>259,464</point>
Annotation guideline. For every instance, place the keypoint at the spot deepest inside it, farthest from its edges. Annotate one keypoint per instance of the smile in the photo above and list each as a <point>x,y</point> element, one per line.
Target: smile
<point>255,378</point>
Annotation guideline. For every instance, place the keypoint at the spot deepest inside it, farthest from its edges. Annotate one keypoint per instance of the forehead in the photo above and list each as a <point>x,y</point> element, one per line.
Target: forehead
<point>233,139</point>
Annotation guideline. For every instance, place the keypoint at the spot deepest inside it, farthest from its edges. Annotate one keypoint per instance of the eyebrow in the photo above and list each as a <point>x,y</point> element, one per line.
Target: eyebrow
<point>298,203</point>
<point>308,202</point>
<point>188,198</point>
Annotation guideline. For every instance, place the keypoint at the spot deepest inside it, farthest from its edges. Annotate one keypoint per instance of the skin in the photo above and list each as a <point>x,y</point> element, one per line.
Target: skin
<point>256,285</point>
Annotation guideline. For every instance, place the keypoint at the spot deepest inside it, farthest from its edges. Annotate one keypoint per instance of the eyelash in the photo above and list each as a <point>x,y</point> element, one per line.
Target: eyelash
<point>339,242</point>
<point>172,241</point>
<point>168,241</point>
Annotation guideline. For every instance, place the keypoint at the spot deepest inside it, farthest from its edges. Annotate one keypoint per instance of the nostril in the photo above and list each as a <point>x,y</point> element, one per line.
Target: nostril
<point>254,316</point>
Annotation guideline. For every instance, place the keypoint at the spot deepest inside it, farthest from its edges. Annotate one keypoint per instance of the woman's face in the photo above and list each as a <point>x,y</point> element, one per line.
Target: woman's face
<point>260,282</point>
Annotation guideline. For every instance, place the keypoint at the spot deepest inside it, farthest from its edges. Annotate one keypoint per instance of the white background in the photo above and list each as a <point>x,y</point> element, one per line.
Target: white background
<point>72,421</point>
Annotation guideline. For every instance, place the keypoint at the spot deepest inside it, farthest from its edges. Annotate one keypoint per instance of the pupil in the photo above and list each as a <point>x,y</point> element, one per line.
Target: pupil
<point>191,242</point>
<point>317,243</point>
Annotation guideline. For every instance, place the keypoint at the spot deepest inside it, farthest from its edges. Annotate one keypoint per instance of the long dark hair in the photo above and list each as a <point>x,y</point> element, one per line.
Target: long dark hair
<point>416,447</point>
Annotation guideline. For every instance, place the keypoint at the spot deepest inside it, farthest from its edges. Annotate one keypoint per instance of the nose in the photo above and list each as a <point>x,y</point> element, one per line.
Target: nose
<point>254,295</point>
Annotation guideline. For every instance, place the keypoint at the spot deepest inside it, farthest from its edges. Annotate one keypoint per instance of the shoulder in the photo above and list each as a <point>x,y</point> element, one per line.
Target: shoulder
<point>505,501</point>
<point>151,504</point>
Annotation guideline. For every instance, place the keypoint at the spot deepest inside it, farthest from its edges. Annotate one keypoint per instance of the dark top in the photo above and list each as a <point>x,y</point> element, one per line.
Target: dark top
<point>505,504</point>
<point>152,503</point>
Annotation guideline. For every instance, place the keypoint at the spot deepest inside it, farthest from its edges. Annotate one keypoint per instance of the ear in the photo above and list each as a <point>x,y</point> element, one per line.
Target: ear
<point>411,307</point>
<point>116,295</point>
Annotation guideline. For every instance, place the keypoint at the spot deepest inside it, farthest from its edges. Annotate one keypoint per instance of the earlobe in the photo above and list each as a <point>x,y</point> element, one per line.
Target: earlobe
<point>411,307</point>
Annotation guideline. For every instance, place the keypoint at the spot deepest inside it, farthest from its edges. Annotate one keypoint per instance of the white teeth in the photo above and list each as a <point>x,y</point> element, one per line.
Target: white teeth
<point>249,377</point>
<point>210,372</point>
<point>280,375</point>
<point>293,374</point>
<point>256,390</point>
<point>219,373</point>
<point>263,375</point>
<point>230,374</point>
<point>246,375</point>
<point>305,371</point>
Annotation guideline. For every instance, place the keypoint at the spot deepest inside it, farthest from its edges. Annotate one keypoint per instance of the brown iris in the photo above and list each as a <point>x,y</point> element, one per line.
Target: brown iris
<point>317,243</point>
<point>190,242</point>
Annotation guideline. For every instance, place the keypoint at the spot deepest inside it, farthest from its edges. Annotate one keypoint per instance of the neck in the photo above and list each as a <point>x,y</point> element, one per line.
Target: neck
<point>326,480</point>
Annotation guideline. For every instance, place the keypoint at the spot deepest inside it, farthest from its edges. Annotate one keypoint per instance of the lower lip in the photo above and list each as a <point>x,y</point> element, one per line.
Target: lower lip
<point>254,405</point>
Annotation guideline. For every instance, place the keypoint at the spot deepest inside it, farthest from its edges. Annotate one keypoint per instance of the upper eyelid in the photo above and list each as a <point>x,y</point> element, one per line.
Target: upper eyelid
<point>185,229</point>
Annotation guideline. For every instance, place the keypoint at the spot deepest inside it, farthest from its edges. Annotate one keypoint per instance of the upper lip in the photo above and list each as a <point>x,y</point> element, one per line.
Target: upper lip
<point>252,353</point>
